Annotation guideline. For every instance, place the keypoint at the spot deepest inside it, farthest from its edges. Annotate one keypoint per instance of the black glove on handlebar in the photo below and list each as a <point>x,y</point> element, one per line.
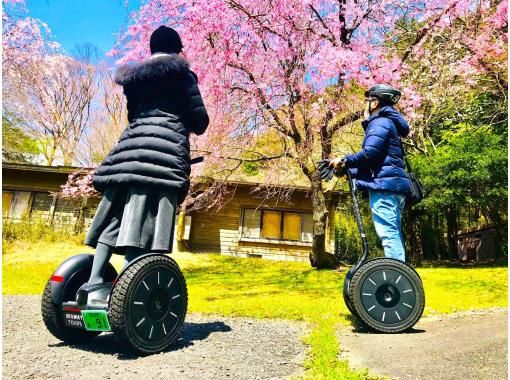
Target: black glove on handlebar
<point>327,172</point>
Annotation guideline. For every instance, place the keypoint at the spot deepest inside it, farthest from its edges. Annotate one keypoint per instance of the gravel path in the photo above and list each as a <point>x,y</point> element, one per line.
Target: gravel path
<point>210,347</point>
<point>469,345</point>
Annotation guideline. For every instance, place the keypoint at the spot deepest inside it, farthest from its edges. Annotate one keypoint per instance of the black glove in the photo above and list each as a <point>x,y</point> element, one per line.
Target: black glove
<point>341,171</point>
<point>326,172</point>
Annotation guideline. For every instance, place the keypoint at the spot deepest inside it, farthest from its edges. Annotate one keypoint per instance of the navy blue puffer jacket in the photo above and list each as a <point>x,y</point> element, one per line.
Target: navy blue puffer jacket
<point>379,164</point>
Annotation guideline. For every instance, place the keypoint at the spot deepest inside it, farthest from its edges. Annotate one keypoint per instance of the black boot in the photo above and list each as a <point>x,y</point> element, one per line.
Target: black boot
<point>90,294</point>
<point>95,282</point>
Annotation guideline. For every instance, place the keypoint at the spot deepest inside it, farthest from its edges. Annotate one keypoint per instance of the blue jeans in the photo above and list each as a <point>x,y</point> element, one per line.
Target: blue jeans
<point>387,210</point>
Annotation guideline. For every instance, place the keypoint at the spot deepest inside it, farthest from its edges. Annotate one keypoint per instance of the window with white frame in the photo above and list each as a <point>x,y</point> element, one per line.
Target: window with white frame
<point>286,225</point>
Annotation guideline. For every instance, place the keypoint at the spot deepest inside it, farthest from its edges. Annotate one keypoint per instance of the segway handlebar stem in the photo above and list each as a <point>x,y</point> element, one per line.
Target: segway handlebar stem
<point>359,222</point>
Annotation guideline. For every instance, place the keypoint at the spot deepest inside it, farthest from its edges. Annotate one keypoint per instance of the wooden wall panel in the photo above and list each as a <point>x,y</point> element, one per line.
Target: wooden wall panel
<point>220,232</point>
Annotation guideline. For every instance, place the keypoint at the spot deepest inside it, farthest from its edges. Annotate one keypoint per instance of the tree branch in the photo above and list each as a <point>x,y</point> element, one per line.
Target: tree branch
<point>346,120</point>
<point>331,38</point>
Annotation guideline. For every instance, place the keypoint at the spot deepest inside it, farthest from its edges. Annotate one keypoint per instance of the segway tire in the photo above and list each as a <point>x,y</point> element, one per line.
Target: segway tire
<point>348,303</point>
<point>387,295</point>
<point>148,304</point>
<point>52,318</point>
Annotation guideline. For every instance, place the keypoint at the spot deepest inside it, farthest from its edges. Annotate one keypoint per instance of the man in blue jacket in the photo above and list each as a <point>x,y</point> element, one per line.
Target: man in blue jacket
<point>379,167</point>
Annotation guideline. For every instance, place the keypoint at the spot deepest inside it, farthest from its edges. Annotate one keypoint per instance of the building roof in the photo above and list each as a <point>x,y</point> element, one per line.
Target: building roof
<point>71,169</point>
<point>41,168</point>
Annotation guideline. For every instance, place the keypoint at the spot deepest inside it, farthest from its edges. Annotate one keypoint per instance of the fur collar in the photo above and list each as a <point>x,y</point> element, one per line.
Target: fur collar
<point>155,67</point>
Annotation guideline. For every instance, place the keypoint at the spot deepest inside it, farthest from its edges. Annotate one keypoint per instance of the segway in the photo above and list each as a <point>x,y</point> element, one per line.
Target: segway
<point>384,294</point>
<point>145,305</point>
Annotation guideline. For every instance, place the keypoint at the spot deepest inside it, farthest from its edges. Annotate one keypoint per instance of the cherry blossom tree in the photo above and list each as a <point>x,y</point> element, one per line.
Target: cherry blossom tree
<point>24,39</point>
<point>458,59</point>
<point>294,67</point>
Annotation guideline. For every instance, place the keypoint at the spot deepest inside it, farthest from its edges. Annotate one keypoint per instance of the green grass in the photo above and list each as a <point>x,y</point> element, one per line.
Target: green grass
<point>267,289</point>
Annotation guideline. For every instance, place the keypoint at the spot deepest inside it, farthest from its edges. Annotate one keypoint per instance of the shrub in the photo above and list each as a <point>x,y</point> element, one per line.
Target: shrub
<point>347,240</point>
<point>39,230</point>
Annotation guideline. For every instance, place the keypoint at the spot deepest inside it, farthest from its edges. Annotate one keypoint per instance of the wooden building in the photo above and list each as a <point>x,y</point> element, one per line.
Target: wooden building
<point>245,226</point>
<point>26,193</point>
<point>251,227</point>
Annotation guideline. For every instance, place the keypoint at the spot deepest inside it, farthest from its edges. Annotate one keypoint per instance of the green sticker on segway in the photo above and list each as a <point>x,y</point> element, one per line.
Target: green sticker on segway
<point>96,320</point>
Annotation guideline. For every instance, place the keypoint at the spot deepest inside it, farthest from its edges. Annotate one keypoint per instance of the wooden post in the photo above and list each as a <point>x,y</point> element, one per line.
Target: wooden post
<point>182,245</point>
<point>30,204</point>
<point>51,214</point>
<point>80,221</point>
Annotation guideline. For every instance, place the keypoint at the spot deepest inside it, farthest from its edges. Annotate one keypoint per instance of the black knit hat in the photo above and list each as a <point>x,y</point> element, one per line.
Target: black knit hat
<point>165,40</point>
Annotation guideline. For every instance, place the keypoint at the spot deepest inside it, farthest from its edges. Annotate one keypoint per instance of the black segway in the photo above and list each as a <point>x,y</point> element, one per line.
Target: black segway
<point>145,305</point>
<point>384,294</point>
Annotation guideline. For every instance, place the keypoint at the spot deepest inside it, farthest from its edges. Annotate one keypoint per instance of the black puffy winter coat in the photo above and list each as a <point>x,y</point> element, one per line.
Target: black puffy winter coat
<point>164,106</point>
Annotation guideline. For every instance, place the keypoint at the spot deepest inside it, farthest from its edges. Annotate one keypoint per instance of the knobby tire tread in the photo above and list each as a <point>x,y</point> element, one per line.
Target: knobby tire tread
<point>354,286</point>
<point>118,311</point>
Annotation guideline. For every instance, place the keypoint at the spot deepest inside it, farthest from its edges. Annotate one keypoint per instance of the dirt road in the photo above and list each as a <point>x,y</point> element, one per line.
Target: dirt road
<point>461,346</point>
<point>210,347</point>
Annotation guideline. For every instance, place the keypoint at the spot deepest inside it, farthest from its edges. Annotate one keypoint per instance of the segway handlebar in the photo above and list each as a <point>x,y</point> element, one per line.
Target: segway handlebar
<point>327,172</point>
<point>197,160</point>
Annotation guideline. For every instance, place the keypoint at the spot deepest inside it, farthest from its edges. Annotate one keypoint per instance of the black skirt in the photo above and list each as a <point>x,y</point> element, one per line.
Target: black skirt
<point>134,216</point>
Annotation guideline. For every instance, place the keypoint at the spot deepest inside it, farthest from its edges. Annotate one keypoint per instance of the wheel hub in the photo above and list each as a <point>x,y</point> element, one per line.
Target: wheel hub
<point>387,295</point>
<point>158,304</point>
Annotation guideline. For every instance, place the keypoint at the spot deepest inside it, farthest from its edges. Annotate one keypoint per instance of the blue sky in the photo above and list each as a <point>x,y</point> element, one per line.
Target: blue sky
<point>83,21</point>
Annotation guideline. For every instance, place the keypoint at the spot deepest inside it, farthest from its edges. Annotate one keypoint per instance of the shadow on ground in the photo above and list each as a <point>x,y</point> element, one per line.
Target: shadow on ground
<point>108,344</point>
<point>360,328</point>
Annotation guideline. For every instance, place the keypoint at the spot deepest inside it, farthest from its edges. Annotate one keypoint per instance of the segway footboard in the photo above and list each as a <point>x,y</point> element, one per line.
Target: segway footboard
<point>386,295</point>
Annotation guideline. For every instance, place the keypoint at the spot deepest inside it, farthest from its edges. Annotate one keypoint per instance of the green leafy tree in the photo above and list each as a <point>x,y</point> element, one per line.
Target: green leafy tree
<point>17,146</point>
<point>468,170</point>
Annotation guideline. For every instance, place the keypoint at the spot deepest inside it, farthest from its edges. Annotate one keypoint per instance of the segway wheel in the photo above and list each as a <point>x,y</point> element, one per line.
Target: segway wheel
<point>348,303</point>
<point>387,295</point>
<point>148,304</point>
<point>52,317</point>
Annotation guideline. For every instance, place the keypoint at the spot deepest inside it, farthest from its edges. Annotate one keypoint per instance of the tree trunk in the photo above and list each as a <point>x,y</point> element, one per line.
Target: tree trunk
<point>437,236</point>
<point>413,242</point>
<point>68,157</point>
<point>79,226</point>
<point>451,237</point>
<point>319,257</point>
<point>80,221</point>
<point>49,151</point>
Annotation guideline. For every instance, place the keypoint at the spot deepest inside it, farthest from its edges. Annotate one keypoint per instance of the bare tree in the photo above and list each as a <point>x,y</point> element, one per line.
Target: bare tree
<point>108,120</point>
<point>55,103</point>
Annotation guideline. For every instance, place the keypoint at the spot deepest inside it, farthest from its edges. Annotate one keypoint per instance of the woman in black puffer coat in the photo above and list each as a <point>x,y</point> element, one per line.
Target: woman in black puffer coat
<point>146,175</point>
